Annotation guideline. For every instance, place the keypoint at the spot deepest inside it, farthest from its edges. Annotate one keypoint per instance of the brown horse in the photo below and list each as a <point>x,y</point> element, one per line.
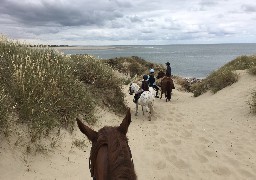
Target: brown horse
<point>166,87</point>
<point>110,157</point>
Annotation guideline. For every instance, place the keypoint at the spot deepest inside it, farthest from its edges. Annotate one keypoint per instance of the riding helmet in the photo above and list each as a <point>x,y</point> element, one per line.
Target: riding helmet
<point>145,77</point>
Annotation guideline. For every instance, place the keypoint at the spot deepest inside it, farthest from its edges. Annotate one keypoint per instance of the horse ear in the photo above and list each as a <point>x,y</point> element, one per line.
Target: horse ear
<point>123,128</point>
<point>90,133</point>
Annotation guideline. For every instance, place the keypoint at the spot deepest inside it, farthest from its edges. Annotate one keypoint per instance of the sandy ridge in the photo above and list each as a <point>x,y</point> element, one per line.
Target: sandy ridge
<point>209,137</point>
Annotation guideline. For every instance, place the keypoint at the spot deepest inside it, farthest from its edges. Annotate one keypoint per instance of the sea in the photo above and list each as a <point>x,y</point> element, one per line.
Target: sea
<point>187,60</point>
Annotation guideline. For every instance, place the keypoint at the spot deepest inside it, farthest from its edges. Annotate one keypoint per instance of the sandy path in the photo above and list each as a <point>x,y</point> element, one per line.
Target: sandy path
<point>208,137</point>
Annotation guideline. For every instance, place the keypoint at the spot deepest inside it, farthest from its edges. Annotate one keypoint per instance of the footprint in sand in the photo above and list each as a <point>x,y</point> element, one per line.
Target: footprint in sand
<point>160,165</point>
<point>167,177</point>
<point>168,136</point>
<point>209,153</point>
<point>222,171</point>
<point>155,127</point>
<point>179,163</point>
<point>247,173</point>
<point>167,150</point>
<point>186,134</point>
<point>203,140</point>
<point>201,158</point>
<point>178,120</point>
<point>232,162</point>
<point>169,119</point>
<point>163,141</point>
<point>176,142</point>
<point>154,133</point>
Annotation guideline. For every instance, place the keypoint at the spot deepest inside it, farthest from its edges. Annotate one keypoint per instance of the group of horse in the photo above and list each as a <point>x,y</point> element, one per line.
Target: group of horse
<point>147,98</point>
<point>110,155</point>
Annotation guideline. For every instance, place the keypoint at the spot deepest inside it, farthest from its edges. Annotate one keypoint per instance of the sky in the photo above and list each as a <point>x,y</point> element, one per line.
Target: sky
<point>128,22</point>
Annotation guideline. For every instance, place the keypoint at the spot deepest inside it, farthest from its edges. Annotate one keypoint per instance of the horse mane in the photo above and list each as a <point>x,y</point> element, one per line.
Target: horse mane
<point>119,154</point>
<point>161,74</point>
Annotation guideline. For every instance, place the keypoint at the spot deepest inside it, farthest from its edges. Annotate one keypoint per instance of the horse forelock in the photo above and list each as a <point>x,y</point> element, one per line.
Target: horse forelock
<point>119,154</point>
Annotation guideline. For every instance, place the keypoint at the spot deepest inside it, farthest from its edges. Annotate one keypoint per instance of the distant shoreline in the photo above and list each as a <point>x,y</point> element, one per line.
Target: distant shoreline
<point>86,47</point>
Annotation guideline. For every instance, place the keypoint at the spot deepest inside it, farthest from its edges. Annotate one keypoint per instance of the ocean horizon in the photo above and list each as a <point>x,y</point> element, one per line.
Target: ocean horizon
<point>187,60</point>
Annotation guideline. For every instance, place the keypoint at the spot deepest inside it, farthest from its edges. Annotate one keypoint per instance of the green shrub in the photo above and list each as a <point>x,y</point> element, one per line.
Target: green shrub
<point>252,70</point>
<point>199,88</point>
<point>241,63</point>
<point>99,77</point>
<point>41,85</point>
<point>5,109</point>
<point>79,143</point>
<point>225,76</point>
<point>252,103</point>
<point>221,79</point>
<point>133,65</point>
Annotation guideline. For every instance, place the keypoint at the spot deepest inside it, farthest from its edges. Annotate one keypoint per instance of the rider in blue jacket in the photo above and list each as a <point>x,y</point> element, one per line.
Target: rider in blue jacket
<point>152,82</point>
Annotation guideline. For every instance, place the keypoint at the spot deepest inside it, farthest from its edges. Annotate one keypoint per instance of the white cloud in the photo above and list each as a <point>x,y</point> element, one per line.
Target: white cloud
<point>129,22</point>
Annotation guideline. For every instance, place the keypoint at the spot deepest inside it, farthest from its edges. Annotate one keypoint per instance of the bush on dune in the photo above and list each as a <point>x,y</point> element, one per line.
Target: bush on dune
<point>221,79</point>
<point>225,76</point>
<point>104,85</point>
<point>133,66</point>
<point>41,89</point>
<point>252,70</point>
<point>252,102</point>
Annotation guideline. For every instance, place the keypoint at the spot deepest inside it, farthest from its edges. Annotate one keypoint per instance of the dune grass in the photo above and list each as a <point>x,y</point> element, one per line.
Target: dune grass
<point>133,66</point>
<point>100,79</point>
<point>252,70</point>
<point>44,90</point>
<point>225,76</point>
<point>252,102</point>
<point>41,89</point>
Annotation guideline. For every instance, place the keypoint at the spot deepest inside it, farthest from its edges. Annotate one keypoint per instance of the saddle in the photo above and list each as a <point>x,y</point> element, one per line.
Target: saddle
<point>137,96</point>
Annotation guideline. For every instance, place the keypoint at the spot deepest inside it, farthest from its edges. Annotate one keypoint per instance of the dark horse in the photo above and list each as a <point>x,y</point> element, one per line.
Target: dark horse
<point>166,87</point>
<point>110,157</point>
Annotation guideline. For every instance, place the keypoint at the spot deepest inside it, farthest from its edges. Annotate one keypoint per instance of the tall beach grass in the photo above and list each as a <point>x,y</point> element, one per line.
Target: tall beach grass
<point>43,90</point>
<point>225,76</point>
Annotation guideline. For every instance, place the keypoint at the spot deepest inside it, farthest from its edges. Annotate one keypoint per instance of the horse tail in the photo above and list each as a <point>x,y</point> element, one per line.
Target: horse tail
<point>168,90</point>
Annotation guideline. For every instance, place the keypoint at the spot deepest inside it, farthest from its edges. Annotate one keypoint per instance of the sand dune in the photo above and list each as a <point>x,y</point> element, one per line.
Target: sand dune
<point>212,136</point>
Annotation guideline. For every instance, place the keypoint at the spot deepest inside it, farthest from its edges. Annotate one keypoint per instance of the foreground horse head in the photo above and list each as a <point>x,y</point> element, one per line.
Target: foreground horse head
<point>110,156</point>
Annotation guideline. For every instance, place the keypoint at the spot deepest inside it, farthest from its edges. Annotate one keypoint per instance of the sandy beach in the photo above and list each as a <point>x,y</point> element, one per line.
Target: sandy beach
<point>210,137</point>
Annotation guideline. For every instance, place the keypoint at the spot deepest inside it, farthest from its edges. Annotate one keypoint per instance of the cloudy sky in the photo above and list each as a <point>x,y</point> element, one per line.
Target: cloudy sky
<point>131,22</point>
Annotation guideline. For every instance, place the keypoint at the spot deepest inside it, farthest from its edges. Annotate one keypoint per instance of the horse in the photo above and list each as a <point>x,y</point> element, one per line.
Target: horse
<point>110,156</point>
<point>146,98</point>
<point>160,75</point>
<point>159,78</point>
<point>166,87</point>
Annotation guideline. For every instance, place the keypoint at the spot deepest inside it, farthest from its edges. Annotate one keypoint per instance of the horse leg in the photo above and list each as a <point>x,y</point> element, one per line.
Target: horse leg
<point>142,110</point>
<point>168,94</point>
<point>136,113</point>
<point>150,113</point>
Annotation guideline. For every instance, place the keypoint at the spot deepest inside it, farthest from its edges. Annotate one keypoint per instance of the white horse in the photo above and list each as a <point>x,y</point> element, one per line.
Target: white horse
<point>146,98</point>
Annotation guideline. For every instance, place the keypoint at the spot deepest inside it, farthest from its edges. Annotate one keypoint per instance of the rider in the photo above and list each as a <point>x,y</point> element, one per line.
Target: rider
<point>144,87</point>
<point>152,81</point>
<point>168,69</point>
